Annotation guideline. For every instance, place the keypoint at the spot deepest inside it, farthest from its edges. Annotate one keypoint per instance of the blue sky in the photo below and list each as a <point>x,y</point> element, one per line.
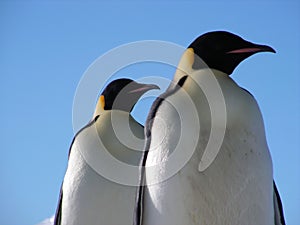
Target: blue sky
<point>45,47</point>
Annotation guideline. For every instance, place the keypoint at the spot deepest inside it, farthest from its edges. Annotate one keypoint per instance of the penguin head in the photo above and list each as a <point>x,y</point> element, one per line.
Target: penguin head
<point>122,94</point>
<point>223,51</point>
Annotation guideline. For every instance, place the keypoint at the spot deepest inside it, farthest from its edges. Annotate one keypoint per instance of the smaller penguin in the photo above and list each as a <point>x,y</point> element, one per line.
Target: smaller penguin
<point>87,197</point>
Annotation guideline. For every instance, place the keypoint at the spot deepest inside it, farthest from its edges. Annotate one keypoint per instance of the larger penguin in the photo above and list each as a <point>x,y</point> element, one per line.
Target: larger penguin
<point>89,195</point>
<point>231,183</point>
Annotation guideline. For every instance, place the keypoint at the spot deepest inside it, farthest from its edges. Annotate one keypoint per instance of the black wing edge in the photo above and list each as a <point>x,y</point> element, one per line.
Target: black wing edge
<point>57,218</point>
<point>278,209</point>
<point>138,210</point>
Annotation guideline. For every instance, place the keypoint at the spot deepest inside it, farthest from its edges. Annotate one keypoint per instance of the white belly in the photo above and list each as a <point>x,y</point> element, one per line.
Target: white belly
<point>90,199</point>
<point>237,188</point>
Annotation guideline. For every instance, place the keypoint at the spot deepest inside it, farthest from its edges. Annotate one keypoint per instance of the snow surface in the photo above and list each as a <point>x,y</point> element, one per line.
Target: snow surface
<point>48,221</point>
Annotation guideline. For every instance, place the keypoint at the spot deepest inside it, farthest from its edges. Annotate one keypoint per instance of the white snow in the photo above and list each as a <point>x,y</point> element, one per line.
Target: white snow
<point>48,221</point>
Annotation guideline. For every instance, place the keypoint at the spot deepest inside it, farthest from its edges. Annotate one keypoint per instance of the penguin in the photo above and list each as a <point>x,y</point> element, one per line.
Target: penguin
<point>87,196</point>
<point>236,186</point>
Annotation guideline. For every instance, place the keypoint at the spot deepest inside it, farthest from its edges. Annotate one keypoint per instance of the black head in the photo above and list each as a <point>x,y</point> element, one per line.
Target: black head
<point>223,51</point>
<point>123,94</point>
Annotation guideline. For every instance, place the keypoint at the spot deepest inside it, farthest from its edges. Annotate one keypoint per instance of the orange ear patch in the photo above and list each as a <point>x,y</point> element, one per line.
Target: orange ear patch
<point>102,101</point>
<point>185,64</point>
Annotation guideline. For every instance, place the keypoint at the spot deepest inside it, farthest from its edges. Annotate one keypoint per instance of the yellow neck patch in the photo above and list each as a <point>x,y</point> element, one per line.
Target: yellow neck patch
<point>102,101</point>
<point>185,64</point>
<point>100,106</point>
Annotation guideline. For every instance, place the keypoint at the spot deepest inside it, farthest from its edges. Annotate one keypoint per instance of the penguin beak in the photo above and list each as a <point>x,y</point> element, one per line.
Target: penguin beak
<point>252,49</point>
<point>144,88</point>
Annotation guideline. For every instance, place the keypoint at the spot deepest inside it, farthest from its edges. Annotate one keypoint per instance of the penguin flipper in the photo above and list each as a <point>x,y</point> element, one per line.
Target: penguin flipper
<point>278,209</point>
<point>57,218</point>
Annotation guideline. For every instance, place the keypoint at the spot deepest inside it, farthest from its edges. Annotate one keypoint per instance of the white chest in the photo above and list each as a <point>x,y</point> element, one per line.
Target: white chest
<point>92,194</point>
<point>237,186</point>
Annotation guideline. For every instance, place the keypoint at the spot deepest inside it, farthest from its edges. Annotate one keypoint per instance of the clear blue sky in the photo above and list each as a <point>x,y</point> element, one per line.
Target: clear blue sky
<point>45,47</point>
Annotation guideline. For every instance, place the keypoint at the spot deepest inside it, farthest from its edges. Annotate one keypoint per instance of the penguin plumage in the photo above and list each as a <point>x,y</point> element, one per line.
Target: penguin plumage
<point>87,196</point>
<point>237,186</point>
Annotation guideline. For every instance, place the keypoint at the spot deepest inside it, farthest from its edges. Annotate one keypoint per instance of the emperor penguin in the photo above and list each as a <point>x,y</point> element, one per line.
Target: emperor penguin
<point>206,160</point>
<point>91,194</point>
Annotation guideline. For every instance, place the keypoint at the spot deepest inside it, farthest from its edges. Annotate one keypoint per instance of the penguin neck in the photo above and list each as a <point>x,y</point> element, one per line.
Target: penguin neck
<point>121,135</point>
<point>99,110</point>
<point>204,86</point>
<point>196,74</point>
<point>205,76</point>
